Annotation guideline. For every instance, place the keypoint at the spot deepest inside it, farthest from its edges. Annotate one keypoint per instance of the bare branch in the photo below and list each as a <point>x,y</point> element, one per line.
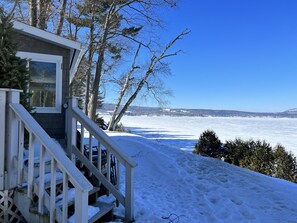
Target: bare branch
<point>10,15</point>
<point>130,38</point>
<point>112,123</point>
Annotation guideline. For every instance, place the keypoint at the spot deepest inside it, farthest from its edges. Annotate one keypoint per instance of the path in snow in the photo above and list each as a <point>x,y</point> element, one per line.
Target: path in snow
<point>200,189</point>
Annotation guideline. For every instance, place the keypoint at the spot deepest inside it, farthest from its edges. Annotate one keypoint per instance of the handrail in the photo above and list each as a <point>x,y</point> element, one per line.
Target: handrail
<point>59,161</point>
<point>77,178</point>
<point>93,161</point>
<point>104,139</point>
<point>98,174</point>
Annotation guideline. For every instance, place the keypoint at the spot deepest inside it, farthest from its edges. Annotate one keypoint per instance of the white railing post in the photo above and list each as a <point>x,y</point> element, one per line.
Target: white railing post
<point>129,196</point>
<point>81,206</point>
<point>2,136</point>
<point>12,134</point>
<point>71,126</point>
<point>59,161</point>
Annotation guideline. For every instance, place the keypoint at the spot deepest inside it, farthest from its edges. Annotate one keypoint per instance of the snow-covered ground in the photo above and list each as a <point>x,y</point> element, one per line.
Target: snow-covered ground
<point>176,186</point>
<point>172,185</point>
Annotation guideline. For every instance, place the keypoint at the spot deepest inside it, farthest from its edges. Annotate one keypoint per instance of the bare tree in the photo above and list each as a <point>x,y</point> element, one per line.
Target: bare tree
<point>132,10</point>
<point>151,70</point>
<point>125,87</point>
<point>90,56</point>
<point>33,12</point>
<point>43,13</point>
<point>99,65</point>
<point>113,26</point>
<point>62,17</point>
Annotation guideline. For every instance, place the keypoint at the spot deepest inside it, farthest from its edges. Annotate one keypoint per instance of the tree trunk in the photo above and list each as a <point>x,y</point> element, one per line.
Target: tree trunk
<point>90,59</point>
<point>43,7</point>
<point>87,94</point>
<point>33,12</point>
<point>149,71</point>
<point>128,103</point>
<point>132,97</point>
<point>112,125</point>
<point>62,17</point>
<point>95,89</point>
<point>98,74</point>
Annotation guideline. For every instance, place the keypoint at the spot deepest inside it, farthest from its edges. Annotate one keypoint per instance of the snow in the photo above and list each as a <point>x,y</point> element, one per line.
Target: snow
<point>92,211</point>
<point>48,177</point>
<point>183,132</point>
<point>36,147</point>
<point>70,197</point>
<point>172,185</point>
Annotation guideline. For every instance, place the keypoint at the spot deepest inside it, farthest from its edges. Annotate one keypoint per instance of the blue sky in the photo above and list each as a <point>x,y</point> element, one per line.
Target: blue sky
<point>240,54</point>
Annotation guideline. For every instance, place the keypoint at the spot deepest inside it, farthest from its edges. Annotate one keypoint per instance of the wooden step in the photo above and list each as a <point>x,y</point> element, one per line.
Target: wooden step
<point>96,211</point>
<point>47,179</point>
<point>71,196</point>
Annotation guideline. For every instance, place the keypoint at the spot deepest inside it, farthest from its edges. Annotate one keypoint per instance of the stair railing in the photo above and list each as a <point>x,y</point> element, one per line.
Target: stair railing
<point>100,141</point>
<point>19,121</point>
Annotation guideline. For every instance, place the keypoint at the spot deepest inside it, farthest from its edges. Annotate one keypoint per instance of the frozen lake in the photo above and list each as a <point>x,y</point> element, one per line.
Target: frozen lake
<point>183,132</point>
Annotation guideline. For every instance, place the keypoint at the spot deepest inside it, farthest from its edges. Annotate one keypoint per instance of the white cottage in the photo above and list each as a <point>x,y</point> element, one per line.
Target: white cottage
<point>40,181</point>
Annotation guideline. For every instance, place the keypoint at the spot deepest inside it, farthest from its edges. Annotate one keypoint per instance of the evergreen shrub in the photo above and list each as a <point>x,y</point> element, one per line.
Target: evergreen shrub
<point>255,155</point>
<point>285,164</point>
<point>209,144</point>
<point>13,70</point>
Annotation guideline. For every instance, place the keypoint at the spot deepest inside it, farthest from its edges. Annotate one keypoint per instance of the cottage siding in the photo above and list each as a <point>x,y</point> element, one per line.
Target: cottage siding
<point>53,123</point>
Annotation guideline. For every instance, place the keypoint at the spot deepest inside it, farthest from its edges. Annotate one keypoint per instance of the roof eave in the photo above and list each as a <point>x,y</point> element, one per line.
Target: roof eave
<point>47,36</point>
<point>76,50</point>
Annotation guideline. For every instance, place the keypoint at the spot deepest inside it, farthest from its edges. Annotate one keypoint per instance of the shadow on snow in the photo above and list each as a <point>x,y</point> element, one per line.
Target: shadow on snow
<point>182,142</point>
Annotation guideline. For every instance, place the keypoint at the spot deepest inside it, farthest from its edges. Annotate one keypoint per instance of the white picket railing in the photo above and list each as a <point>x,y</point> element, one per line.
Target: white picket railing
<point>100,141</point>
<point>18,121</point>
<point>3,97</point>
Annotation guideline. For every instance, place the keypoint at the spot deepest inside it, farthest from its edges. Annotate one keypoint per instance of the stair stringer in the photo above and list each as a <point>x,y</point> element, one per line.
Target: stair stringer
<point>24,204</point>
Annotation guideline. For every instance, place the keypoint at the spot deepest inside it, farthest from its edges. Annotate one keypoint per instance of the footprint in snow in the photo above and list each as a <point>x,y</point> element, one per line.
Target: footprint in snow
<point>247,215</point>
<point>201,187</point>
<point>236,201</point>
<point>214,199</point>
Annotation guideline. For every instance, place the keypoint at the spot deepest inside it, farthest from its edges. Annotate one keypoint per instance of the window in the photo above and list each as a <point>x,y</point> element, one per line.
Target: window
<point>45,81</point>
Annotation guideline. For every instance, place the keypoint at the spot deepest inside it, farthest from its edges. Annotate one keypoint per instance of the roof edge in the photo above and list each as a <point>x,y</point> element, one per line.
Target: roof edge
<point>50,37</point>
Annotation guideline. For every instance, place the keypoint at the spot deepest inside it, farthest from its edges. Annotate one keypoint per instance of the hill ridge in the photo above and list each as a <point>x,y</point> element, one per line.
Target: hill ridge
<point>157,111</point>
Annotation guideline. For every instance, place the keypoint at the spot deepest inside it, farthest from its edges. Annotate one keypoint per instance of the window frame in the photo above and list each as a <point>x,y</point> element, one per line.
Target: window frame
<point>48,58</point>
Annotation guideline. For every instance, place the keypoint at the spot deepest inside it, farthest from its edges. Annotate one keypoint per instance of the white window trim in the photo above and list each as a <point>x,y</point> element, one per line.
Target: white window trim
<point>51,59</point>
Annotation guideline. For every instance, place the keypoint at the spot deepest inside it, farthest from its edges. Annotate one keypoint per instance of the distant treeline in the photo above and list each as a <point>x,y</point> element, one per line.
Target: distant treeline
<point>139,110</point>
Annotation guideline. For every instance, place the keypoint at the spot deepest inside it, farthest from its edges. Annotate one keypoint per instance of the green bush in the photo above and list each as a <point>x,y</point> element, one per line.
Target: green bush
<point>259,158</point>
<point>236,150</point>
<point>285,164</point>
<point>209,144</point>
<point>13,70</point>
<point>254,155</point>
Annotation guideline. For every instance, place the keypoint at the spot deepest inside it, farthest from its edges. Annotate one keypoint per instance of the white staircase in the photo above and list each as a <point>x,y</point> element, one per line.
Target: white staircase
<point>30,211</point>
<point>48,186</point>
